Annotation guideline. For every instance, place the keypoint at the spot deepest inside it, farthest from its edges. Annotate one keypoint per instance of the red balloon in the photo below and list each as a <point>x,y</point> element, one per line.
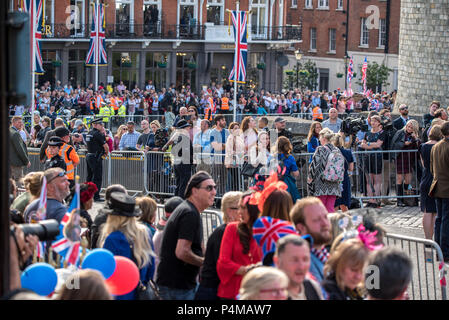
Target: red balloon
<point>125,277</point>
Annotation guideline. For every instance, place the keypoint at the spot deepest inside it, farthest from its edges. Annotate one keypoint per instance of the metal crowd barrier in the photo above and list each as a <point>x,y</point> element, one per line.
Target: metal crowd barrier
<point>429,271</point>
<point>211,219</point>
<point>375,175</point>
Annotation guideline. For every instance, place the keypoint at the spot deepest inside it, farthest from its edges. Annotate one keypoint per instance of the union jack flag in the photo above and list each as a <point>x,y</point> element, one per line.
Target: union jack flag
<point>239,22</point>
<point>350,71</point>
<point>97,47</point>
<point>67,249</point>
<point>267,231</point>
<point>34,7</point>
<point>364,70</point>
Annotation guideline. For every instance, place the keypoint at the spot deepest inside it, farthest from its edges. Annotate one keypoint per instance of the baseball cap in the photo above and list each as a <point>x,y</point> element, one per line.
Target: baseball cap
<point>279,119</point>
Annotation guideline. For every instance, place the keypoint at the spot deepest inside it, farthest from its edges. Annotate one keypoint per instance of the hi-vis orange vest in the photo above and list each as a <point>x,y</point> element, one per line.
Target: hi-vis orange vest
<point>98,101</point>
<point>114,104</point>
<point>71,158</point>
<point>92,103</point>
<point>224,103</point>
<point>210,110</point>
<point>317,114</point>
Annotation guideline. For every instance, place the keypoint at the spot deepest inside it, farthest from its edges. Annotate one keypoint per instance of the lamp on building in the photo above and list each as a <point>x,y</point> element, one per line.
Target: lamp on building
<point>298,56</point>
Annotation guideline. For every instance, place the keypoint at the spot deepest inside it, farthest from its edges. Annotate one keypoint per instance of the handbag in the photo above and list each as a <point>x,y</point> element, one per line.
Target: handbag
<point>248,170</point>
<point>148,292</point>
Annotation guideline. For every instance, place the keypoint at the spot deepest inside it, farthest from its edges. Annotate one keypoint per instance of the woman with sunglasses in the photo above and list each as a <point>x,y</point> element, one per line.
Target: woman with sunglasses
<point>239,251</point>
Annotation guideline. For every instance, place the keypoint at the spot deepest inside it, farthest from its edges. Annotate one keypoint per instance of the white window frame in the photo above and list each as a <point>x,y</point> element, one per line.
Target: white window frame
<point>312,38</point>
<point>323,4</point>
<point>131,12</point>
<point>382,31</point>
<point>294,4</point>
<point>81,19</point>
<point>339,4</point>
<point>334,33</point>
<point>364,31</point>
<point>215,3</point>
<point>256,7</point>
<point>308,4</point>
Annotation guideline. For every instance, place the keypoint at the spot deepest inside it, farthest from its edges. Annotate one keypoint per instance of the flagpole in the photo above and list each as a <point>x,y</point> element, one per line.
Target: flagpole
<point>97,49</point>
<point>235,64</point>
<point>33,57</point>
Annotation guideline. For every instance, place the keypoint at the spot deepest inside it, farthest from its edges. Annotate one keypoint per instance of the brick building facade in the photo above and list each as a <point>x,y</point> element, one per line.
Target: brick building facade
<point>167,41</point>
<point>324,31</point>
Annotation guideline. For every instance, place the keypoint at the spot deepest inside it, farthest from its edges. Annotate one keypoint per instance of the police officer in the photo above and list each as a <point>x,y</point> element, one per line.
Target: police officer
<point>54,159</point>
<point>96,147</point>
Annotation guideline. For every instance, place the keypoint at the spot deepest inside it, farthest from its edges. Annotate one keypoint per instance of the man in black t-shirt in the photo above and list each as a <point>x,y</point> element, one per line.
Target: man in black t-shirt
<point>182,248</point>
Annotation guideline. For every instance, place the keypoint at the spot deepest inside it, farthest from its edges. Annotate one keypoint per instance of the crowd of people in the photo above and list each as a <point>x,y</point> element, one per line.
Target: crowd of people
<point>194,129</point>
<point>313,259</point>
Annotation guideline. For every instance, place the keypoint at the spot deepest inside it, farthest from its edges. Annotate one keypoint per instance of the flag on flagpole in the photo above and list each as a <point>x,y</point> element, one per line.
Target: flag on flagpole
<point>364,71</point>
<point>34,7</point>
<point>239,22</point>
<point>350,71</point>
<point>69,249</point>
<point>96,55</point>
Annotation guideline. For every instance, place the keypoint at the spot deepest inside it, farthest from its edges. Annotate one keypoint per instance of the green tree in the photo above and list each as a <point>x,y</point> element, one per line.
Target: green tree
<point>305,76</point>
<point>376,76</point>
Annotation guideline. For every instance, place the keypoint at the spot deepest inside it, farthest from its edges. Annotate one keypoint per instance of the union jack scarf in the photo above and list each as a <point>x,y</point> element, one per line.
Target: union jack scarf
<point>322,254</point>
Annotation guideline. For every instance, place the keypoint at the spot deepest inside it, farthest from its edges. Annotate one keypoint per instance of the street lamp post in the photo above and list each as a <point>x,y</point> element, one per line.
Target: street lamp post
<point>298,56</point>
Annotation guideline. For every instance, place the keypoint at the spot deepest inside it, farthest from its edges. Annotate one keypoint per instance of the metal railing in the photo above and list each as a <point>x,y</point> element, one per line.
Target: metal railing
<point>429,271</point>
<point>374,177</point>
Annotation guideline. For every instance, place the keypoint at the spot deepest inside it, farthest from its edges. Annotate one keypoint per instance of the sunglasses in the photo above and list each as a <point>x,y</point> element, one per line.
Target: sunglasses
<point>404,108</point>
<point>61,174</point>
<point>209,188</point>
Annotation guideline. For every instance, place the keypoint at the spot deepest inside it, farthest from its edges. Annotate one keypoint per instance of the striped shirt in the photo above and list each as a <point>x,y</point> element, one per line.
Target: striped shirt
<point>129,140</point>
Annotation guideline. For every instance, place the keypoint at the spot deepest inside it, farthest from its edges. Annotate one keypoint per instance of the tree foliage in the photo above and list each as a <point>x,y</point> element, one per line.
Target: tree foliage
<point>305,75</point>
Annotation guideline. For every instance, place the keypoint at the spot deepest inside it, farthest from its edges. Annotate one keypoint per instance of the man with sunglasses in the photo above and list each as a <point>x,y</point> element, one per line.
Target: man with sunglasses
<point>182,245</point>
<point>400,122</point>
<point>57,191</point>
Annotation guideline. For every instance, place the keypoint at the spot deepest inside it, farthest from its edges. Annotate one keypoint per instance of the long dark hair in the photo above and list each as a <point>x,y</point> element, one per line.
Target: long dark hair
<point>245,230</point>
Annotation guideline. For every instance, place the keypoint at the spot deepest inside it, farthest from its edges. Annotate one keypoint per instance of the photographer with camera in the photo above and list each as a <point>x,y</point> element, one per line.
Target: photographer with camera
<point>373,141</point>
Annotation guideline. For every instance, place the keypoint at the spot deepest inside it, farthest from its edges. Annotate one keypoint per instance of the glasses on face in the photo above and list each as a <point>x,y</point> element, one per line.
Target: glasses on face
<point>61,174</point>
<point>275,292</point>
<point>209,188</point>
<point>234,208</point>
<point>404,108</point>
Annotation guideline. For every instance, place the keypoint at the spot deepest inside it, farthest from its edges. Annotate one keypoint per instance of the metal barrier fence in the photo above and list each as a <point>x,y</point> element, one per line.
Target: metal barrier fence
<point>211,219</point>
<point>429,274</point>
<point>376,175</point>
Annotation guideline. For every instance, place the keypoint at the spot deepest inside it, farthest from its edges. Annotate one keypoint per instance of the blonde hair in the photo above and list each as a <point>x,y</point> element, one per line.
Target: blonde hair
<point>415,126</point>
<point>338,141</point>
<point>257,279</point>
<point>229,198</point>
<point>352,253</point>
<point>156,123</point>
<point>135,232</point>
<point>148,207</point>
<point>327,134</point>
<point>121,130</point>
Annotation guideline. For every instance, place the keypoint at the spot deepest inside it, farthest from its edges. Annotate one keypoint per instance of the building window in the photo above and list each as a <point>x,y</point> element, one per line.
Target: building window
<point>151,17</point>
<point>126,68</point>
<point>124,16</point>
<point>308,4</point>
<point>364,33</point>
<point>153,72</point>
<point>339,4</point>
<point>185,74</point>
<point>382,32</point>
<point>77,68</point>
<point>312,39</point>
<point>332,40</point>
<point>258,19</point>
<point>323,4</point>
<point>215,11</point>
<point>294,3</point>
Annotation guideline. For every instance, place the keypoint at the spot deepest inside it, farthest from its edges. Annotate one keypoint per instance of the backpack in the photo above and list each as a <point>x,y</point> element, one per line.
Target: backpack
<point>335,166</point>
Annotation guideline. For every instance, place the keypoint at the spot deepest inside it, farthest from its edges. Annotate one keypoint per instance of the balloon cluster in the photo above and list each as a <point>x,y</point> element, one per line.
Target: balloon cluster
<point>120,273</point>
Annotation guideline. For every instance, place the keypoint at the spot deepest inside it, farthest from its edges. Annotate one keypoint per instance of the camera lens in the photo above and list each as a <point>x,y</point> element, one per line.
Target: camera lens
<point>45,230</point>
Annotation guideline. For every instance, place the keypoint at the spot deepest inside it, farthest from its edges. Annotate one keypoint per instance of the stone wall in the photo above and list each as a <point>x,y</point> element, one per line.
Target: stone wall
<point>423,54</point>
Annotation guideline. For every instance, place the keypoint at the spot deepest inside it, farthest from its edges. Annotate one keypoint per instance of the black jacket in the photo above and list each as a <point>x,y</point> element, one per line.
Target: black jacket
<point>398,123</point>
<point>335,293</point>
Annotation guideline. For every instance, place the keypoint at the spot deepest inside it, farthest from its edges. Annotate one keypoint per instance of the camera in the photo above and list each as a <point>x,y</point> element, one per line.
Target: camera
<point>351,126</point>
<point>387,124</point>
<point>186,118</point>
<point>46,230</point>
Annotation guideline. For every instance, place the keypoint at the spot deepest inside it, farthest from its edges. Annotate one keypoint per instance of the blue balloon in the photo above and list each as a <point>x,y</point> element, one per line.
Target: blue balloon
<point>101,260</point>
<point>40,278</point>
